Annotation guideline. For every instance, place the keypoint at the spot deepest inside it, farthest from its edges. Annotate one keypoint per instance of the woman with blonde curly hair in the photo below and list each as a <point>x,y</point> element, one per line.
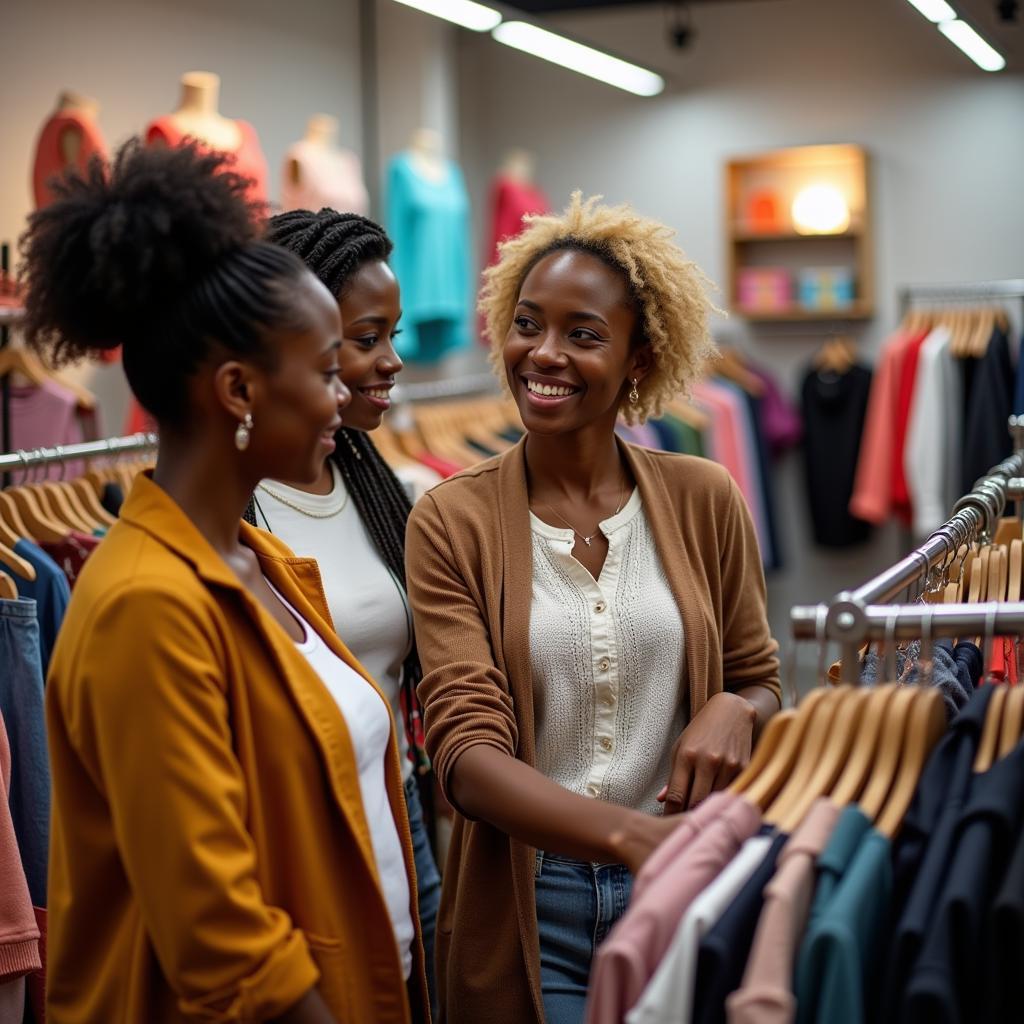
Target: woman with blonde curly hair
<point>590,617</point>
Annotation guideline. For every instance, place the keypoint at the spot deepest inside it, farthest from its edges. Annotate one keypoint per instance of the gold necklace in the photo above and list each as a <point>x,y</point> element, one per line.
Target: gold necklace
<point>587,540</point>
<point>329,514</point>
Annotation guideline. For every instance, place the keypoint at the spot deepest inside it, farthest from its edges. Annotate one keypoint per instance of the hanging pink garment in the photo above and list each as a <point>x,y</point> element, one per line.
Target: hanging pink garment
<point>511,201</point>
<point>331,178</point>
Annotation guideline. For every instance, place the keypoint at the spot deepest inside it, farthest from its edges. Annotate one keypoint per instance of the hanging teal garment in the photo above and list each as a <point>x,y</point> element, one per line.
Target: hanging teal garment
<point>428,221</point>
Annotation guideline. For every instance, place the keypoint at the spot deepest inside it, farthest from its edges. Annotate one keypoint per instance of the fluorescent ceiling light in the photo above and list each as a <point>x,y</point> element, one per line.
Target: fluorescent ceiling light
<point>466,13</point>
<point>959,33</point>
<point>577,57</point>
<point>934,10</point>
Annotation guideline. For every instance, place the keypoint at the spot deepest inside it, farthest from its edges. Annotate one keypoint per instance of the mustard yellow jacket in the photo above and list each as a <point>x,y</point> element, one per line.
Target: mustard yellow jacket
<point>210,857</point>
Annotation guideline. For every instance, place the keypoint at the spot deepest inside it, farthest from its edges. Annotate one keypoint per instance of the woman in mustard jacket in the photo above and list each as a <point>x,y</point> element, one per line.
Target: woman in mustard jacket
<point>229,838</point>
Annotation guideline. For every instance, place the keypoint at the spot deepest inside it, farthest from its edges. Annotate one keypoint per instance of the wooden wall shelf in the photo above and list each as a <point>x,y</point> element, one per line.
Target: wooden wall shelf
<point>776,244</point>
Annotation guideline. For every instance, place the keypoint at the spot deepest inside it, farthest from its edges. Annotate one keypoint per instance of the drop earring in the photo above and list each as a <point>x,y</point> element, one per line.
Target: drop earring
<point>634,395</point>
<point>243,432</point>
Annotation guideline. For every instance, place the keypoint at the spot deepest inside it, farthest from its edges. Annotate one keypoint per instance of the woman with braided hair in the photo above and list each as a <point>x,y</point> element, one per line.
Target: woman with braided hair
<point>229,837</point>
<point>352,518</point>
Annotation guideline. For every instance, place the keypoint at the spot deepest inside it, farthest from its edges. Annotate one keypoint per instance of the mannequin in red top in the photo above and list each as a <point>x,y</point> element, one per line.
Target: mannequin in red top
<point>69,139</point>
<point>513,196</point>
<point>197,117</point>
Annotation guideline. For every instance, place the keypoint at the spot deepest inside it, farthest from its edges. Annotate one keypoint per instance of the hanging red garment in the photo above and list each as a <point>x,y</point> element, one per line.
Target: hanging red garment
<point>50,160</point>
<point>511,200</point>
<point>905,395</point>
<point>249,161</point>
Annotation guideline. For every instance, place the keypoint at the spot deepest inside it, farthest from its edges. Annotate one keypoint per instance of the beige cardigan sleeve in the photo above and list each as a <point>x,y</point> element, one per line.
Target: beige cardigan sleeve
<point>465,696</point>
<point>749,653</point>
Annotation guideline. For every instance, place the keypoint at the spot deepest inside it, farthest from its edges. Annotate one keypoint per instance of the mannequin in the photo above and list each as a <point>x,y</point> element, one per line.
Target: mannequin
<point>69,139</point>
<point>198,117</point>
<point>513,196</point>
<point>426,152</point>
<point>318,173</point>
<point>518,165</point>
<point>428,220</point>
<point>197,114</point>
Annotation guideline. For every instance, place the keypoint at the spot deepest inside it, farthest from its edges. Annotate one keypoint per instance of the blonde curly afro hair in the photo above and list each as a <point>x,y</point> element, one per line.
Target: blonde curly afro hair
<point>670,290</point>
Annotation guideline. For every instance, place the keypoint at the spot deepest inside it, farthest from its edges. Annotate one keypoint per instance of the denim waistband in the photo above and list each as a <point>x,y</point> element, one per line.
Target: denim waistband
<point>18,608</point>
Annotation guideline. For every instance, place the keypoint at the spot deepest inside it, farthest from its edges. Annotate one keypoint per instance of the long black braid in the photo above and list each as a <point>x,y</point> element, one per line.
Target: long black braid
<point>334,246</point>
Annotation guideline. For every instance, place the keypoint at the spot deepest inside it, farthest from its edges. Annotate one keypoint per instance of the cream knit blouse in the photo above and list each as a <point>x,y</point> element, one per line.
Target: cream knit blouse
<point>608,663</point>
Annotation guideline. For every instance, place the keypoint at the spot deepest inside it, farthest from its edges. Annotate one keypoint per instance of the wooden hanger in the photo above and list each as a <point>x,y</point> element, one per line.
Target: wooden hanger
<point>988,747</point>
<point>861,760</point>
<point>1012,725</point>
<point>91,503</point>
<point>1016,565</point>
<point>842,737</point>
<point>813,746</point>
<point>729,364</point>
<point>837,355</point>
<point>41,524</point>
<point>55,500</point>
<point>984,325</point>
<point>8,588</point>
<point>22,361</point>
<point>18,565</point>
<point>12,519</point>
<point>76,506</point>
<point>763,789</point>
<point>767,748</point>
<point>887,758</point>
<point>925,726</point>
<point>689,414</point>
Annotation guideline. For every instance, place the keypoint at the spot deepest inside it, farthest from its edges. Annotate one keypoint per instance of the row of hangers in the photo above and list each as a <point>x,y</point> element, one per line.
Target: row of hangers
<point>444,428</point>
<point>47,511</point>
<point>863,745</point>
<point>970,326</point>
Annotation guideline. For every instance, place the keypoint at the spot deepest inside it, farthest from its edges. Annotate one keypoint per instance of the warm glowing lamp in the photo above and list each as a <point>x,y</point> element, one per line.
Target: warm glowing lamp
<point>820,210</point>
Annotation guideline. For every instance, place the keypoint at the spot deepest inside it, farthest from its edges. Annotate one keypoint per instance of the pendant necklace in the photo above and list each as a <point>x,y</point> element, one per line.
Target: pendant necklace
<point>588,540</point>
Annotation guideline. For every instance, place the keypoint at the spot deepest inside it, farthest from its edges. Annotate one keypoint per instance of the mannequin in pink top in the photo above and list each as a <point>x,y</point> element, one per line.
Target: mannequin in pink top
<point>318,174</point>
<point>70,139</point>
<point>197,117</point>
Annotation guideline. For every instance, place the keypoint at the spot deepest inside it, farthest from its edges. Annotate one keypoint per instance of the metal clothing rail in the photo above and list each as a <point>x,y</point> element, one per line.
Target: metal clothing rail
<point>961,292</point>
<point>853,617</point>
<point>77,452</point>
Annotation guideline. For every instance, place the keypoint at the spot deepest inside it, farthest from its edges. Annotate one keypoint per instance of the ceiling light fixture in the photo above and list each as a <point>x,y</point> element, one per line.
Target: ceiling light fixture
<point>538,42</point>
<point>476,17</point>
<point>934,10</point>
<point>959,33</point>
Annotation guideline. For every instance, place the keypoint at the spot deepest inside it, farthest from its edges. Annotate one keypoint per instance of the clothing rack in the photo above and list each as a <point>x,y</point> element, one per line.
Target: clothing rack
<point>1009,290</point>
<point>854,617</point>
<point>111,446</point>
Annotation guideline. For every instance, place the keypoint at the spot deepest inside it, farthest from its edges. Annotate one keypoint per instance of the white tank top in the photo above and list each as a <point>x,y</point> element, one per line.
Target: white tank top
<point>369,726</point>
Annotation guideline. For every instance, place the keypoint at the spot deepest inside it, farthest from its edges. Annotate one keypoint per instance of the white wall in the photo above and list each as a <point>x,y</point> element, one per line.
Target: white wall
<point>946,139</point>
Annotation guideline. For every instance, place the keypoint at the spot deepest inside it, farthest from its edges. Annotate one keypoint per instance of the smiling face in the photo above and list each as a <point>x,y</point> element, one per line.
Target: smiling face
<point>299,403</point>
<point>570,354</point>
<point>370,310</point>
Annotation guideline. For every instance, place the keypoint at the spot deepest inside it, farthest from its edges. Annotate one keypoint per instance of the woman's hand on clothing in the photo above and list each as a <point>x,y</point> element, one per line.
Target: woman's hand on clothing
<point>712,750</point>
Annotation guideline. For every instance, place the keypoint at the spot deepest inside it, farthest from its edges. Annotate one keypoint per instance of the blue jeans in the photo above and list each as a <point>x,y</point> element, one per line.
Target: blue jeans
<point>428,883</point>
<point>577,905</point>
<point>23,717</point>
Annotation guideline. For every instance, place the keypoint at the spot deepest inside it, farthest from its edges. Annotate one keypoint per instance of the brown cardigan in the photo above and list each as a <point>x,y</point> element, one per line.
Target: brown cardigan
<point>469,567</point>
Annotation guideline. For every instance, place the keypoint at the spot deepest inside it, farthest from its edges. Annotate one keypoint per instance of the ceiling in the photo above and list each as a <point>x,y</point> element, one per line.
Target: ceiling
<point>552,6</point>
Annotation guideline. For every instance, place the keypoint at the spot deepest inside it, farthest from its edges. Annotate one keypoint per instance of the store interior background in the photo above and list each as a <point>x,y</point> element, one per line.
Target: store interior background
<point>946,139</point>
